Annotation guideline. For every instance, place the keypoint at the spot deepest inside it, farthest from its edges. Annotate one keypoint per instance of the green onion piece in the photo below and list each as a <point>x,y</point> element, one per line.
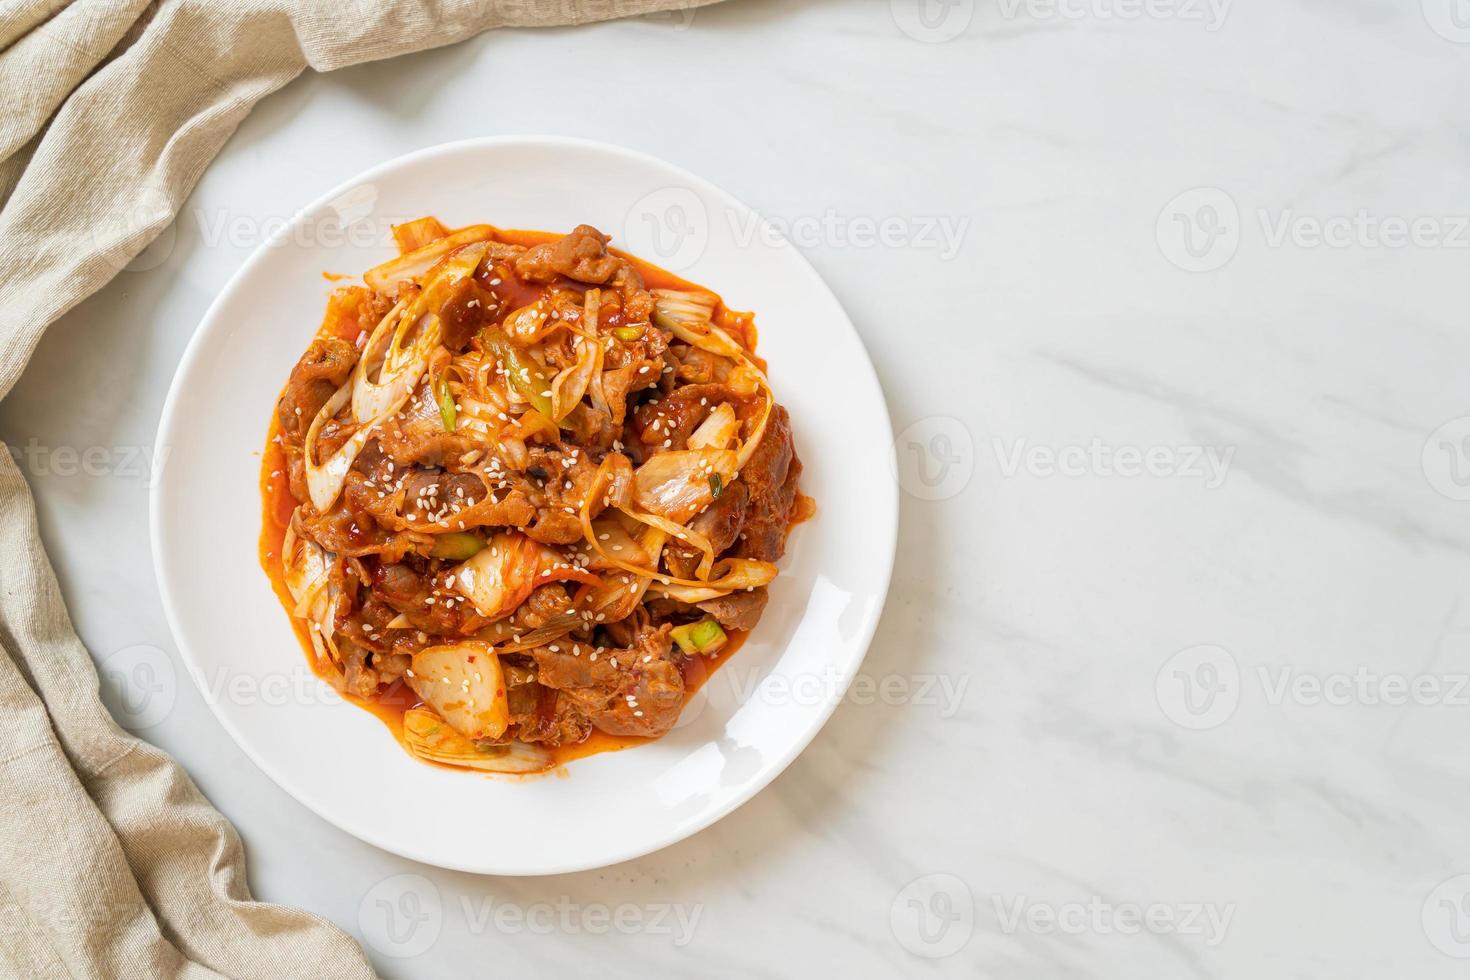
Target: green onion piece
<point>446,402</point>
<point>707,633</point>
<point>524,373</point>
<point>456,545</point>
<point>682,635</point>
<point>704,636</point>
<point>716,485</point>
<point>629,334</point>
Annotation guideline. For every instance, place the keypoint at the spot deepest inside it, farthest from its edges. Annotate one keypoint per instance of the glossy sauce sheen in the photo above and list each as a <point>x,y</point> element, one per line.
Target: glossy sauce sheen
<point>278,505</point>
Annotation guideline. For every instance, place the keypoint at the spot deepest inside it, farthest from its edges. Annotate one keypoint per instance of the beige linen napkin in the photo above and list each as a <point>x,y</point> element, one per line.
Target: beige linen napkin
<point>112,864</point>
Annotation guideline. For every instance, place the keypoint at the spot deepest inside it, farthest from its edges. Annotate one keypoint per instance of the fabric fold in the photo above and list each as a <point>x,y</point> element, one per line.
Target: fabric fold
<point>112,863</point>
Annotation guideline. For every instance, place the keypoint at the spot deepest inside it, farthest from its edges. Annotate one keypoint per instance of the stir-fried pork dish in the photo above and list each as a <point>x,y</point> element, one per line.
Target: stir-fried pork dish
<point>518,484</point>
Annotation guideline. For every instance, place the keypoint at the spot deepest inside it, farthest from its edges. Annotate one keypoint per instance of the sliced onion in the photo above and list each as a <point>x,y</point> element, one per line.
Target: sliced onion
<point>412,265</point>
<point>615,538</point>
<point>597,394</point>
<point>398,371</point>
<point>501,576</point>
<point>617,471</point>
<point>661,525</point>
<point>527,325</point>
<point>324,479</point>
<point>746,379</point>
<point>568,387</point>
<point>731,575</point>
<point>516,642</point>
<point>411,338</point>
<point>513,451</point>
<point>430,738</point>
<point>375,347</point>
<point>676,484</point>
<point>417,233</point>
<point>463,683</point>
<point>480,405</point>
<point>530,423</point>
<point>687,315</point>
<point>504,573</point>
<point>618,596</point>
<point>683,533</point>
<point>595,391</point>
<point>306,570</point>
<point>685,305</point>
<point>553,567</point>
<point>718,430</point>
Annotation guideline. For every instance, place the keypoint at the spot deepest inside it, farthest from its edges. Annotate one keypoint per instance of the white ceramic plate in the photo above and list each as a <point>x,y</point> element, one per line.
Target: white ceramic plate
<point>750,720</point>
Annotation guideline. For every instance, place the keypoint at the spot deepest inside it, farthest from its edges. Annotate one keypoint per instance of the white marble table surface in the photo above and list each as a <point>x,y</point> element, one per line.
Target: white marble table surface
<point>1168,301</point>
